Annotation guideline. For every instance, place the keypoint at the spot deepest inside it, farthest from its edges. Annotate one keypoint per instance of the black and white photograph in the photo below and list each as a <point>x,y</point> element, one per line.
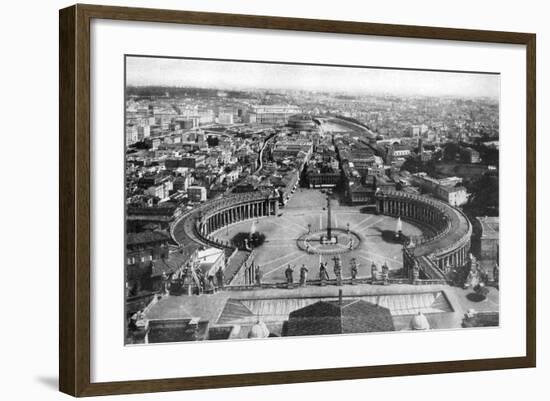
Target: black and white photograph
<point>272,199</point>
<point>279,200</point>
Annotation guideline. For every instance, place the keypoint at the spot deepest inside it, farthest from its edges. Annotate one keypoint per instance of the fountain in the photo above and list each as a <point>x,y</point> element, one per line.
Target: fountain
<point>252,230</point>
<point>398,228</point>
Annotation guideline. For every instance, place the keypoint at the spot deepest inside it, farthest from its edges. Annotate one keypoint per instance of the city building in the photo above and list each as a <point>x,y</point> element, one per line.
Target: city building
<point>196,193</point>
<point>132,135</point>
<point>418,130</point>
<point>401,150</point>
<point>182,182</point>
<point>273,114</point>
<point>143,132</point>
<point>454,196</point>
<point>161,190</point>
<point>446,189</point>
<point>361,193</point>
<point>469,155</point>
<point>302,123</point>
<point>291,149</point>
<point>323,178</point>
<point>142,249</point>
<point>488,243</point>
<point>225,118</point>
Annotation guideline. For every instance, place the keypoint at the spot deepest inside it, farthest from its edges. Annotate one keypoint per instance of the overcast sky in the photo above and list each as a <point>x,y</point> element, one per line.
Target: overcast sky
<point>142,71</point>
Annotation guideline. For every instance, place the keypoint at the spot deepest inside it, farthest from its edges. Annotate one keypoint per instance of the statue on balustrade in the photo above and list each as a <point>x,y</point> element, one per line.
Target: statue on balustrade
<point>354,269</point>
<point>220,277</point>
<point>385,272</point>
<point>201,280</point>
<point>415,271</point>
<point>472,261</point>
<point>258,274</point>
<point>165,283</point>
<point>374,271</point>
<point>338,270</point>
<point>189,280</point>
<point>323,273</point>
<point>474,277</point>
<point>303,275</point>
<point>289,275</point>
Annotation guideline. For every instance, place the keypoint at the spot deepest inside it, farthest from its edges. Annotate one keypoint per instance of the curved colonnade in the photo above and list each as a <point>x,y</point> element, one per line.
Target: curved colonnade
<point>435,254</point>
<point>448,247</point>
<point>198,224</point>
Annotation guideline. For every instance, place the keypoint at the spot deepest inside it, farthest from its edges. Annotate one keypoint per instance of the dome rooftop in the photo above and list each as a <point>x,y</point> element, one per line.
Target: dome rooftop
<point>420,322</point>
<point>259,330</point>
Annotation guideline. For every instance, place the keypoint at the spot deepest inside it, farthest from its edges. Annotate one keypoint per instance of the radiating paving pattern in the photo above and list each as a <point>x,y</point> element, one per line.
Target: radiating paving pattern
<point>248,311</point>
<point>306,212</point>
<point>280,248</point>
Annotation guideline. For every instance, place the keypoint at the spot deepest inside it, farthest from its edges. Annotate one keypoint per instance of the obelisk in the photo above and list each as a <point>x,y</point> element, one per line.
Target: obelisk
<point>329,228</point>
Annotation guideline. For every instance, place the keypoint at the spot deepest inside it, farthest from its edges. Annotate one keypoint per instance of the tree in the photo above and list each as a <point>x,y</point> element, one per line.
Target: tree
<point>414,165</point>
<point>212,141</point>
<point>481,291</point>
<point>451,151</point>
<point>141,145</point>
<point>489,155</point>
<point>254,240</point>
<point>484,196</point>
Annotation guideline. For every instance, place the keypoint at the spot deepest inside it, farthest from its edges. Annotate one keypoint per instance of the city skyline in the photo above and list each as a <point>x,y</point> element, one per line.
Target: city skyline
<point>244,75</point>
<point>253,215</point>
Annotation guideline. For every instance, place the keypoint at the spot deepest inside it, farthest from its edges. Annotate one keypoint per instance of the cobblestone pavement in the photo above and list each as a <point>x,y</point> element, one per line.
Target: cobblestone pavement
<point>307,207</point>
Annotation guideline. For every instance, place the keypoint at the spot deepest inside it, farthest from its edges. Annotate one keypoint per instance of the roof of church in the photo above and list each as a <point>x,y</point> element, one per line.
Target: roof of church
<point>334,317</point>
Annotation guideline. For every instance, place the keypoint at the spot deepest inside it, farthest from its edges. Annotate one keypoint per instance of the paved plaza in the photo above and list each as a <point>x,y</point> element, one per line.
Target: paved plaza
<point>308,206</point>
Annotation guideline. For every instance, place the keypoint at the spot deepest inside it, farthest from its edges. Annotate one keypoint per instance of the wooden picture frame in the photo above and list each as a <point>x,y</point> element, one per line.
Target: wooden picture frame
<point>74,199</point>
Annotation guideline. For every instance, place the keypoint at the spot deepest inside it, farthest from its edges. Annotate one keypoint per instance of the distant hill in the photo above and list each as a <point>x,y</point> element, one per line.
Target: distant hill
<point>160,91</point>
